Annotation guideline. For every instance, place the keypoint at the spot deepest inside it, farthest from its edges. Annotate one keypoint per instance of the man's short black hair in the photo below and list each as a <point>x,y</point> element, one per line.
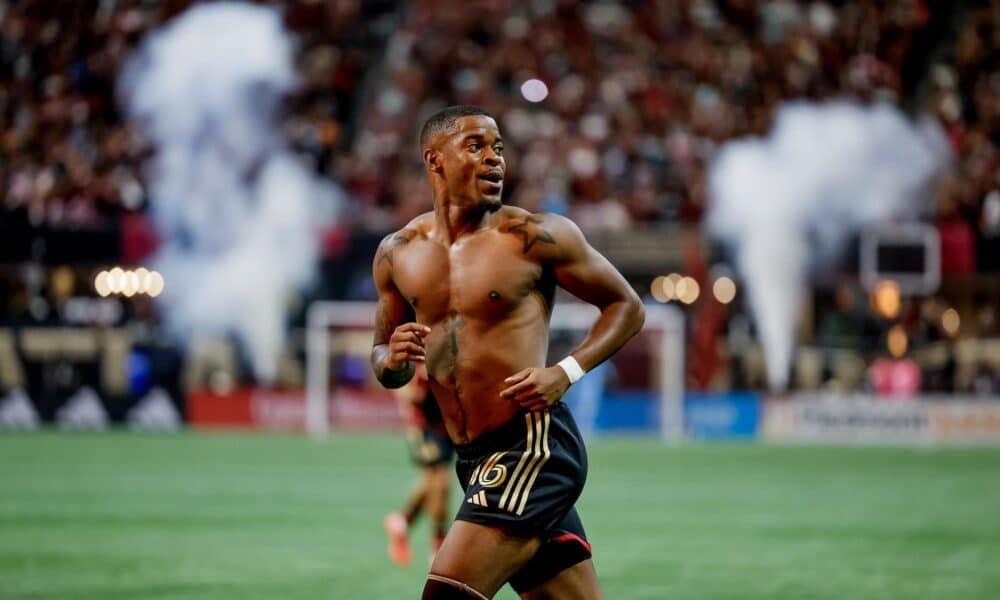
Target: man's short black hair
<point>444,119</point>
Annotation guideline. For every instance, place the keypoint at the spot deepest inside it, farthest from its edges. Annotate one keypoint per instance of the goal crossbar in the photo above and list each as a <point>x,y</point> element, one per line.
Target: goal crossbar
<point>663,319</point>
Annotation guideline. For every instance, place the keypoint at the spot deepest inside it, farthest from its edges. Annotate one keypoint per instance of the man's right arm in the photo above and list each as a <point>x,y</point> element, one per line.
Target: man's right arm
<point>399,342</point>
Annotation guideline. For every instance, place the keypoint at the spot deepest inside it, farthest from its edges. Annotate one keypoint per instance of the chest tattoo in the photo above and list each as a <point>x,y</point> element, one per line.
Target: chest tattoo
<point>452,325</point>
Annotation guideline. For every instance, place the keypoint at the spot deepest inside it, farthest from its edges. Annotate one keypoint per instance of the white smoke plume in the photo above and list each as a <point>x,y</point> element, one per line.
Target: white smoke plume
<point>237,213</point>
<point>787,203</point>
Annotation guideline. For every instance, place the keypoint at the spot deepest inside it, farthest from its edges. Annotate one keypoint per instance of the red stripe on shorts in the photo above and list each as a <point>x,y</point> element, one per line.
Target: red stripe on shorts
<point>572,537</point>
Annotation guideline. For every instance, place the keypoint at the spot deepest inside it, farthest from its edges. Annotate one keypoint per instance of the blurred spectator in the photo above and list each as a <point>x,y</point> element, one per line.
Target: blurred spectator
<point>894,379</point>
<point>842,326</point>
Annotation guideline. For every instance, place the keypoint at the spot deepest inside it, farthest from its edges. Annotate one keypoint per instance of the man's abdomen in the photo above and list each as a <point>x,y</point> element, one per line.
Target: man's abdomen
<point>467,371</point>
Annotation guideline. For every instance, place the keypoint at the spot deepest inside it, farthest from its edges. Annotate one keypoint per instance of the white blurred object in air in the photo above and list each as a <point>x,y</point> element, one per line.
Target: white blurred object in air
<point>239,215</point>
<point>534,90</point>
<point>785,203</point>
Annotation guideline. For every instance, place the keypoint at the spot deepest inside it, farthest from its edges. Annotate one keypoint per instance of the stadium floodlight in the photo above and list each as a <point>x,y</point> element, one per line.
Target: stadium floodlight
<point>667,321</point>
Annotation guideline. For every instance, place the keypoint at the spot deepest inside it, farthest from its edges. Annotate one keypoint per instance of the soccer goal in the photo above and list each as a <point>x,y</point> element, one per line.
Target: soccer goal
<point>333,326</point>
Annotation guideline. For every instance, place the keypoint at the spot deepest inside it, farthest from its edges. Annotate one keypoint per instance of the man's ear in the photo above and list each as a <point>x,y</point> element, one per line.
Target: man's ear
<point>432,160</point>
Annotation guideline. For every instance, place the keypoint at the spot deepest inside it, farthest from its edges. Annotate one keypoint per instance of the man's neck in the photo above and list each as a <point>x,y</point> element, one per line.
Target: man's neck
<point>454,221</point>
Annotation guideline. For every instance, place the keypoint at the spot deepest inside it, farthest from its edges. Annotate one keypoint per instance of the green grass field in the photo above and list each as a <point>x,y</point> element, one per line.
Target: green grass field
<point>251,516</point>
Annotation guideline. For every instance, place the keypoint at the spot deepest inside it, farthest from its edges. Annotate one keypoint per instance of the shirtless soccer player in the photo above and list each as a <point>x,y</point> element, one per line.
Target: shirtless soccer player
<point>468,289</point>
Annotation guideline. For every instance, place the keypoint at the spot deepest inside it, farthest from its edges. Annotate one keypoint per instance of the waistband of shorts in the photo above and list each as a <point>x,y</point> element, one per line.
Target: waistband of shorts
<point>503,437</point>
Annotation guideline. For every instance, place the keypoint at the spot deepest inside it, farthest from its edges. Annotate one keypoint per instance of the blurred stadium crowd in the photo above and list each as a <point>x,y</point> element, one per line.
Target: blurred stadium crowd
<point>640,96</point>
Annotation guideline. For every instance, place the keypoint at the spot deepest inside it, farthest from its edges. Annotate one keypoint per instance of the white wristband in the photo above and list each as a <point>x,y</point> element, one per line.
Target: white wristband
<point>572,369</point>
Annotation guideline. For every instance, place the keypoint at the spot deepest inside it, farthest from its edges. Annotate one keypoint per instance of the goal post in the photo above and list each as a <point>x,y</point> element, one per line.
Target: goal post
<point>666,320</point>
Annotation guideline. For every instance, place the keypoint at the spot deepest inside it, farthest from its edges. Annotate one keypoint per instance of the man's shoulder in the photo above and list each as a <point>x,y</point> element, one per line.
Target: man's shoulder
<point>416,228</point>
<point>538,231</point>
<point>515,218</point>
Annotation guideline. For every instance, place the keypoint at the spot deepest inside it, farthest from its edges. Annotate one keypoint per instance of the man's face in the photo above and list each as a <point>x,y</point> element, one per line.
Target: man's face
<point>472,159</point>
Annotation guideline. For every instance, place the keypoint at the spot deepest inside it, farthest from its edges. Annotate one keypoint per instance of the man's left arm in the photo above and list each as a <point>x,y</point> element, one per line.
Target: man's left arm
<point>585,273</point>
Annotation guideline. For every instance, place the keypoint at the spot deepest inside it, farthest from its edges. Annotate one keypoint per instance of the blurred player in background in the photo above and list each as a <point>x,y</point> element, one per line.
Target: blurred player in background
<point>432,451</point>
<point>468,290</point>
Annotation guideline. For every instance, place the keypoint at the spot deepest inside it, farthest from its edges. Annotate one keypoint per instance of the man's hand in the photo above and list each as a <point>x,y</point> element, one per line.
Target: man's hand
<point>535,388</point>
<point>405,345</point>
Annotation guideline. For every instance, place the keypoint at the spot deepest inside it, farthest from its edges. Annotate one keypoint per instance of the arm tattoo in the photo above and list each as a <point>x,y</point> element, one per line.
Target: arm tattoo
<point>383,323</point>
<point>388,245</point>
<point>530,230</point>
<point>383,332</point>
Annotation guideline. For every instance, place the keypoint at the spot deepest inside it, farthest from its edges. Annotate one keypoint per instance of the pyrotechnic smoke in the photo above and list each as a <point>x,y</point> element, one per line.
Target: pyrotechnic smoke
<point>238,215</point>
<point>788,202</point>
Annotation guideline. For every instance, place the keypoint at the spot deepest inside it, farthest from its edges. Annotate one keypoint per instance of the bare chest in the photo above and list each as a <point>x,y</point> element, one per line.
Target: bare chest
<point>485,276</point>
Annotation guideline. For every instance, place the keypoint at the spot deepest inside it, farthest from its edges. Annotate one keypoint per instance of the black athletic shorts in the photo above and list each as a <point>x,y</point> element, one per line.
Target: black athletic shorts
<point>429,446</point>
<point>524,478</point>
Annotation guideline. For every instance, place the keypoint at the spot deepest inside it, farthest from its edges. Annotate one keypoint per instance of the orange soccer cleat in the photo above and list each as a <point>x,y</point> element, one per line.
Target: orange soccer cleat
<point>399,543</point>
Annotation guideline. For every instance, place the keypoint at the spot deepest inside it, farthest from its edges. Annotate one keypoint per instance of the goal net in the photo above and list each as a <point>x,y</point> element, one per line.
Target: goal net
<point>640,389</point>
